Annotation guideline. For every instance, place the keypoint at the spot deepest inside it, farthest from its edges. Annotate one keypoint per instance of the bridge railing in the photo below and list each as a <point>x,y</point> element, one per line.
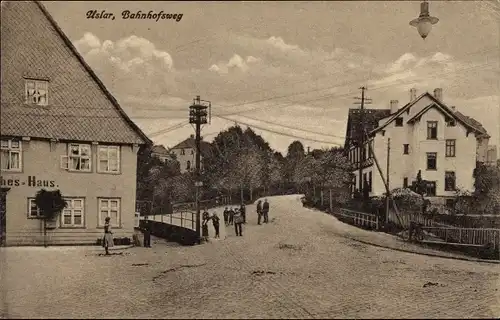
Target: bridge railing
<point>185,219</point>
<point>360,218</point>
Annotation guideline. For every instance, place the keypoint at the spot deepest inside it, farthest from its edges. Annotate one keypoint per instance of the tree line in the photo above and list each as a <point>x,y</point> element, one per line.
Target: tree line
<point>240,165</point>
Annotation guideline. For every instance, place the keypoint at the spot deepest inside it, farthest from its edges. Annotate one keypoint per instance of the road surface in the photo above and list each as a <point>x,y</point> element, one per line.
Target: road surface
<point>294,267</point>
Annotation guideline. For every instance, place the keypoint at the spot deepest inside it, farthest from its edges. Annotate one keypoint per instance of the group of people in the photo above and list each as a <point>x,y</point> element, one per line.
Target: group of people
<point>232,216</point>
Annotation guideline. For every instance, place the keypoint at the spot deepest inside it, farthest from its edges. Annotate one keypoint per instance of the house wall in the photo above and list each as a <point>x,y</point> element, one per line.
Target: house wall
<point>42,162</point>
<point>407,166</point>
<point>189,155</point>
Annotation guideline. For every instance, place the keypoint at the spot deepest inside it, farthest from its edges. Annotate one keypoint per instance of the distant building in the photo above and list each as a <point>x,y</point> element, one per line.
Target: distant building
<point>60,129</point>
<point>185,153</point>
<point>425,135</point>
<point>492,155</point>
<point>161,153</point>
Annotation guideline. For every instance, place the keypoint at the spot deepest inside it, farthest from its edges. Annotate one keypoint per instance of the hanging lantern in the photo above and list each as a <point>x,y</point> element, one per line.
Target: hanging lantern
<point>425,21</point>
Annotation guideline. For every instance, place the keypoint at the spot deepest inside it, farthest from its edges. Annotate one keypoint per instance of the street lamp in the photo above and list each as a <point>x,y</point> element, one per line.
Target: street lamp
<point>424,21</point>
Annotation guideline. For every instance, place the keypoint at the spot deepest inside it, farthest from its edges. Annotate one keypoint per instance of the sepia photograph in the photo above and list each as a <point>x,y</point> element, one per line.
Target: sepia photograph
<point>250,159</point>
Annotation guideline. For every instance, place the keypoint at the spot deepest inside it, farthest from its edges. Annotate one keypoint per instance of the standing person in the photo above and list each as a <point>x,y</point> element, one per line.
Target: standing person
<point>107,240</point>
<point>243,211</point>
<point>226,217</point>
<point>215,221</point>
<point>259,211</point>
<point>238,221</point>
<point>265,211</point>
<point>147,235</point>
<point>204,226</point>
<point>231,216</point>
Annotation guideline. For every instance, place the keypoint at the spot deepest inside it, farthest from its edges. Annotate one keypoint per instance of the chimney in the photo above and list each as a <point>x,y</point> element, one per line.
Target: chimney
<point>413,94</point>
<point>453,108</point>
<point>308,150</point>
<point>438,94</point>
<point>394,106</point>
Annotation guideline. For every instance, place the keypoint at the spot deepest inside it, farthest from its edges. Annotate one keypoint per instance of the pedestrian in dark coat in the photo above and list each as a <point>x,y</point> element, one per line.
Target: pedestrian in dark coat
<point>147,234</point>
<point>226,216</point>
<point>259,211</point>
<point>215,221</point>
<point>204,225</point>
<point>243,211</point>
<point>265,211</point>
<point>231,216</point>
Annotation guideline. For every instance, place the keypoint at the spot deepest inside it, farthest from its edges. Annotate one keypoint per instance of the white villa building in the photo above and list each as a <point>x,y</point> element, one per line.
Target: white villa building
<point>425,134</point>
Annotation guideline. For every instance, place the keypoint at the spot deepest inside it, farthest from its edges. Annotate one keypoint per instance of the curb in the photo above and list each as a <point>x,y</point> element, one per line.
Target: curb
<point>421,253</point>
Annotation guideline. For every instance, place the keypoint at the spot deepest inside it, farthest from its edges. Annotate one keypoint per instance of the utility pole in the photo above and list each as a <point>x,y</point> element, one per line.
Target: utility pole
<point>198,115</point>
<point>362,129</point>
<point>387,179</point>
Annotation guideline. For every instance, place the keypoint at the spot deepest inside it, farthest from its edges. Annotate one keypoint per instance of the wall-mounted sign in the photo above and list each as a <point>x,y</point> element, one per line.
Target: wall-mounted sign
<point>31,181</point>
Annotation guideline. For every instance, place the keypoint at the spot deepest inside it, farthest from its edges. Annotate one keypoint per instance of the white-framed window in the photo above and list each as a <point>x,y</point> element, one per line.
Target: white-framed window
<point>109,207</point>
<point>74,214</point>
<point>183,152</point>
<point>188,165</point>
<point>10,155</point>
<point>79,158</point>
<point>33,210</point>
<point>108,159</point>
<point>37,92</point>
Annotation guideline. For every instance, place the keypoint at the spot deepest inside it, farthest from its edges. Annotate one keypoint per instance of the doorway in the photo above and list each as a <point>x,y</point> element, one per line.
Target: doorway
<point>3,216</point>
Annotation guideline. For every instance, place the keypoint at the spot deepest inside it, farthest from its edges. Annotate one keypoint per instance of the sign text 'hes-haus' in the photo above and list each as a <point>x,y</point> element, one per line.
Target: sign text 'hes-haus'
<point>32,181</point>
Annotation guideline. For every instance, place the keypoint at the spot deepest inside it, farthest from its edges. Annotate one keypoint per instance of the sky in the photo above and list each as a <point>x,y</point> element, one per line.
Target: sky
<point>290,70</point>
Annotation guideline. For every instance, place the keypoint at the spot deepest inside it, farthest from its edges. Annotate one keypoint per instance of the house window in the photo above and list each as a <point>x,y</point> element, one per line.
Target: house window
<point>108,159</point>
<point>33,210</point>
<point>451,123</point>
<point>431,161</point>
<point>109,208</point>
<point>432,130</point>
<point>183,152</point>
<point>399,122</point>
<point>10,158</point>
<point>450,181</point>
<point>37,92</point>
<point>78,158</point>
<point>73,215</point>
<point>370,181</point>
<point>406,148</point>
<point>192,151</point>
<point>450,147</point>
<point>430,188</point>
<point>405,182</point>
<point>188,165</point>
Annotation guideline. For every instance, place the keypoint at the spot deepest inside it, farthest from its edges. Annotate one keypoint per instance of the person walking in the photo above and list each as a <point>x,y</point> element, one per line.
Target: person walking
<point>238,221</point>
<point>231,216</point>
<point>204,225</point>
<point>265,211</point>
<point>243,211</point>
<point>226,216</point>
<point>259,211</point>
<point>147,234</point>
<point>107,240</point>
<point>215,222</point>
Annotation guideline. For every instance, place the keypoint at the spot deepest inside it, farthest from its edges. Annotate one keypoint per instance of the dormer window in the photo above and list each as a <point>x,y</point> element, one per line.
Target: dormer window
<point>399,122</point>
<point>37,92</point>
<point>451,123</point>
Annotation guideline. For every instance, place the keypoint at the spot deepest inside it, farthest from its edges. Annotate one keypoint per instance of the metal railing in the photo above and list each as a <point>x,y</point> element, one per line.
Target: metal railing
<point>360,218</point>
<point>463,236</point>
<point>185,219</point>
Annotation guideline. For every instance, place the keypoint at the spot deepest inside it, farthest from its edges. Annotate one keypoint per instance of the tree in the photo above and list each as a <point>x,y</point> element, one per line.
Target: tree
<point>50,204</point>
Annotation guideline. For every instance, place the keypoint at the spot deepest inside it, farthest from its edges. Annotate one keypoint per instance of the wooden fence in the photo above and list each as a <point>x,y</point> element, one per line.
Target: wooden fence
<point>464,236</point>
<point>360,218</point>
<point>185,219</point>
<point>406,216</point>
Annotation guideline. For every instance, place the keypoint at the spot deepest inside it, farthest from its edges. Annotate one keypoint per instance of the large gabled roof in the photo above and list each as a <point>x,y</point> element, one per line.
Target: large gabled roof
<point>190,143</point>
<point>466,121</point>
<point>93,115</point>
